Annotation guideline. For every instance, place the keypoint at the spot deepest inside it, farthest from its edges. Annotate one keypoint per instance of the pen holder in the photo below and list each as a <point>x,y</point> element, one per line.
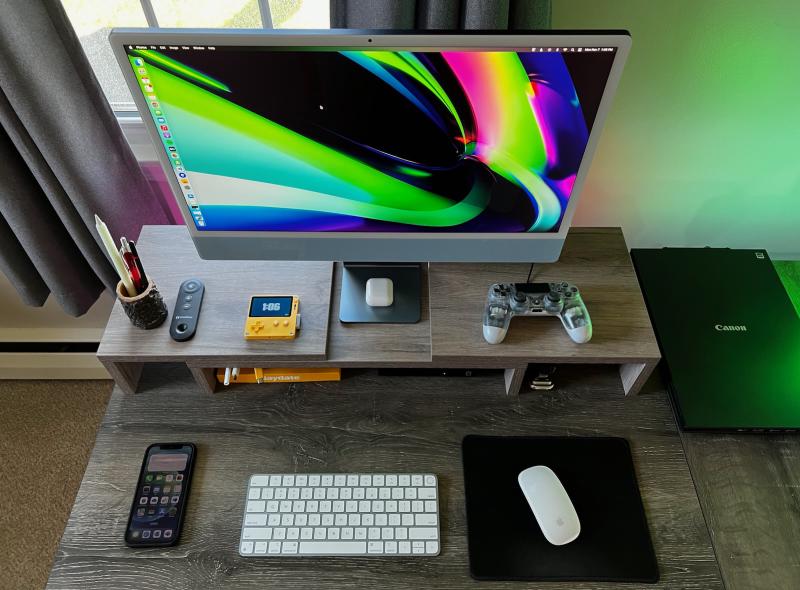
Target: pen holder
<point>147,310</point>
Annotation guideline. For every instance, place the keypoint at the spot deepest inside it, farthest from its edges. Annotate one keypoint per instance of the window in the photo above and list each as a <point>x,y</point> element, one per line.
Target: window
<point>94,19</point>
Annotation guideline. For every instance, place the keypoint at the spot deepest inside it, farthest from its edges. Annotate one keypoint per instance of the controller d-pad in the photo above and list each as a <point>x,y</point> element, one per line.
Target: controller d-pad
<point>258,325</point>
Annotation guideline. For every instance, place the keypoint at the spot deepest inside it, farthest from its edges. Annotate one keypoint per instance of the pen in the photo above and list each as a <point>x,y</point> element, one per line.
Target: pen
<point>139,266</point>
<point>116,259</point>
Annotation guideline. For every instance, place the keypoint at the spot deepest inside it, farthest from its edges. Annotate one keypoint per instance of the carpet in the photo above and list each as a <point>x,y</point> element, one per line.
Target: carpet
<point>47,431</point>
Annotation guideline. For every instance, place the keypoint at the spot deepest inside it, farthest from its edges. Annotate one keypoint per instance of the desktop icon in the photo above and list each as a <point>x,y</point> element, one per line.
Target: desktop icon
<point>174,154</point>
<point>157,112</point>
<point>138,61</point>
<point>164,128</point>
<point>148,88</point>
<point>166,134</point>
<point>142,71</point>
<point>145,80</point>
<point>161,120</point>
<point>177,163</point>
<point>182,174</point>
<point>172,148</point>
<point>152,97</point>
<point>201,223</point>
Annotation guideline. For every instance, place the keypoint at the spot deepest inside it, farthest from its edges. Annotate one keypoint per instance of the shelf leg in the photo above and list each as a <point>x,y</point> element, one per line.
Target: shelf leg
<point>206,378</point>
<point>634,375</point>
<point>514,379</point>
<point>126,375</point>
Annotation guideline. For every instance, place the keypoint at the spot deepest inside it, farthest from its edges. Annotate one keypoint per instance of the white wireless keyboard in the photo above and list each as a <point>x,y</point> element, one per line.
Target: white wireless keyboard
<point>341,514</point>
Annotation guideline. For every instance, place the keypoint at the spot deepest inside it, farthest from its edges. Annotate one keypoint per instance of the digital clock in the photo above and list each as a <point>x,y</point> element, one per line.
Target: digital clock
<point>272,317</point>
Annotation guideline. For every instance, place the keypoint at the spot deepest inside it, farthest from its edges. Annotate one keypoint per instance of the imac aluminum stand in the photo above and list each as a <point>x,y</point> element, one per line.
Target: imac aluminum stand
<point>406,284</point>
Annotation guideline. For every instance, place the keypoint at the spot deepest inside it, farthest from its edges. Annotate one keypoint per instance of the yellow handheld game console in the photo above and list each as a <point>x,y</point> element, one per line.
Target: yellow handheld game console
<point>272,317</point>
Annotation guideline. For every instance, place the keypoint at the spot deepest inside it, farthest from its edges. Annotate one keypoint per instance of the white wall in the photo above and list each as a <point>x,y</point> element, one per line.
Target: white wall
<point>702,145</point>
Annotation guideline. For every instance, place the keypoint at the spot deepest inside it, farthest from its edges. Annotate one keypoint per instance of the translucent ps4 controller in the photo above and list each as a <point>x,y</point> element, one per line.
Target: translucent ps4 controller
<point>506,300</point>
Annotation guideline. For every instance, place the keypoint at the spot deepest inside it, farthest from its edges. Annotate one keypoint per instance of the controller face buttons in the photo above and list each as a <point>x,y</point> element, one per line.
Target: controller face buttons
<point>506,300</point>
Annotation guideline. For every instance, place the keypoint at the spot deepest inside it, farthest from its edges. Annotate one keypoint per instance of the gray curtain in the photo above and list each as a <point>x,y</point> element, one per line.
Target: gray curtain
<point>63,158</point>
<point>441,14</point>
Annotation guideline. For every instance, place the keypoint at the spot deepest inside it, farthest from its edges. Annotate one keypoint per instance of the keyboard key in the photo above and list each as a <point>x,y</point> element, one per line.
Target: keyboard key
<point>285,506</point>
<point>288,481</point>
<point>306,533</point>
<point>417,506</point>
<point>416,481</point>
<point>280,493</point>
<point>256,506</point>
<point>301,519</point>
<point>338,506</point>
<point>255,520</point>
<point>332,494</point>
<point>312,506</point>
<point>358,493</point>
<point>423,533</point>
<point>351,506</point>
<point>327,519</point>
<point>347,533</point>
<point>407,519</point>
<point>367,519</point>
<point>425,520</point>
<point>259,481</point>
<point>289,548</point>
<point>294,493</point>
<point>404,547</point>
<point>319,493</point>
<point>325,506</point>
<point>261,547</point>
<point>375,547</point>
<point>391,481</point>
<point>313,480</point>
<point>373,533</point>
<point>272,506</point>
<point>279,533</point>
<point>364,506</point>
<point>430,480</point>
<point>340,519</point>
<point>390,546</point>
<point>293,533</point>
<point>361,533</point>
<point>426,493</point>
<point>352,480</point>
<point>256,533</point>
<point>274,520</point>
<point>430,506</point>
<point>397,493</point>
<point>372,494</point>
<point>333,534</point>
<point>339,480</point>
<point>365,481</point>
<point>377,506</point>
<point>391,506</point>
<point>267,493</point>
<point>246,547</point>
<point>298,506</point>
<point>254,494</point>
<point>418,547</point>
<point>346,493</point>
<point>384,493</point>
<point>306,493</point>
<point>411,493</point>
<point>387,533</point>
<point>301,480</point>
<point>327,481</point>
<point>381,520</point>
<point>320,533</point>
<point>394,520</point>
<point>274,548</point>
<point>274,481</point>
<point>378,480</point>
<point>314,519</point>
<point>287,519</point>
<point>333,548</point>
<point>354,519</point>
<point>401,533</point>
<point>404,481</point>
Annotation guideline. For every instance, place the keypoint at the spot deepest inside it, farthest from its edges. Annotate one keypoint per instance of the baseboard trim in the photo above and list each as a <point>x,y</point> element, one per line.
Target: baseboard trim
<point>51,365</point>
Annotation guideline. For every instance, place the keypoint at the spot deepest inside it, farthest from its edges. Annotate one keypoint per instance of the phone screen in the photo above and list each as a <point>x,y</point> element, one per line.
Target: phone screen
<point>160,498</point>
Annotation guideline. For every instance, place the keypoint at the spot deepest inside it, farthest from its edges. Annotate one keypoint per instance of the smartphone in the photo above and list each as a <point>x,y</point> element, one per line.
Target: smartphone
<point>160,499</point>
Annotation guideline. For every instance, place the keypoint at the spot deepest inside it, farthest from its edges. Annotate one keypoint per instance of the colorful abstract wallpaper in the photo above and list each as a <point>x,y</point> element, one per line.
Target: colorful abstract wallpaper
<point>373,141</point>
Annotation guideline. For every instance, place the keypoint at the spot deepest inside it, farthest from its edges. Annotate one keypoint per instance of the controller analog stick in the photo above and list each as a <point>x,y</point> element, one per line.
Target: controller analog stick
<point>554,297</point>
<point>520,297</point>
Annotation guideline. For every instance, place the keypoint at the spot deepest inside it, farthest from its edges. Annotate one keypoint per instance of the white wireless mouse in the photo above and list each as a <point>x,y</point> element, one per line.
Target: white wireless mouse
<point>550,504</point>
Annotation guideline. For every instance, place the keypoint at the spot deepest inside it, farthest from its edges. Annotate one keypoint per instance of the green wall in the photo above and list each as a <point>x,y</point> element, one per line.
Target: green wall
<point>702,145</point>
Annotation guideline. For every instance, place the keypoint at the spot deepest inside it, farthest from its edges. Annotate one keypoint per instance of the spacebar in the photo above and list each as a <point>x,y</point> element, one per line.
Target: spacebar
<point>333,547</point>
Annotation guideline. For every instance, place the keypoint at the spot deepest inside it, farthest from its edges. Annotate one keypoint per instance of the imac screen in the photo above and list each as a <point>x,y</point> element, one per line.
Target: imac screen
<point>323,140</point>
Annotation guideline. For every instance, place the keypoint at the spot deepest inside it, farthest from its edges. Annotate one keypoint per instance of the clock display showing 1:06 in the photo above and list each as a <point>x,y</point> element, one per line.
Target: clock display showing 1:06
<point>271,307</point>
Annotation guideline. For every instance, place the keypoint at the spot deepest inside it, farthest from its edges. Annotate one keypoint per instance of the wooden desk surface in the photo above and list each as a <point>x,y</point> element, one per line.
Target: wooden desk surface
<point>364,423</point>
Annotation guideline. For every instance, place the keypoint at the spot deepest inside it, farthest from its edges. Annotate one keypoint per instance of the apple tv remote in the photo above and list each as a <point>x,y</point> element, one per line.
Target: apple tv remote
<point>187,310</point>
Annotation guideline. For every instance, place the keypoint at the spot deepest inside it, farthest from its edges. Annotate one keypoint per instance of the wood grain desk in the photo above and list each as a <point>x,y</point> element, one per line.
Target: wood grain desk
<point>363,423</point>
<point>449,334</point>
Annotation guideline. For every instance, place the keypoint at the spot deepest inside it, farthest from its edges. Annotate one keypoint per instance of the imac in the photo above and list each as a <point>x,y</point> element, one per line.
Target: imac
<point>378,149</point>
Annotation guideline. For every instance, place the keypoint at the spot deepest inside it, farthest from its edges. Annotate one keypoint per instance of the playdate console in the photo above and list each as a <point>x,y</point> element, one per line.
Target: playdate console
<point>506,300</point>
<point>272,317</point>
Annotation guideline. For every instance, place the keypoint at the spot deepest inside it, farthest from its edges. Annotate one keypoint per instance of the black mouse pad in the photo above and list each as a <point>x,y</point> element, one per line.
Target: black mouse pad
<point>505,541</point>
